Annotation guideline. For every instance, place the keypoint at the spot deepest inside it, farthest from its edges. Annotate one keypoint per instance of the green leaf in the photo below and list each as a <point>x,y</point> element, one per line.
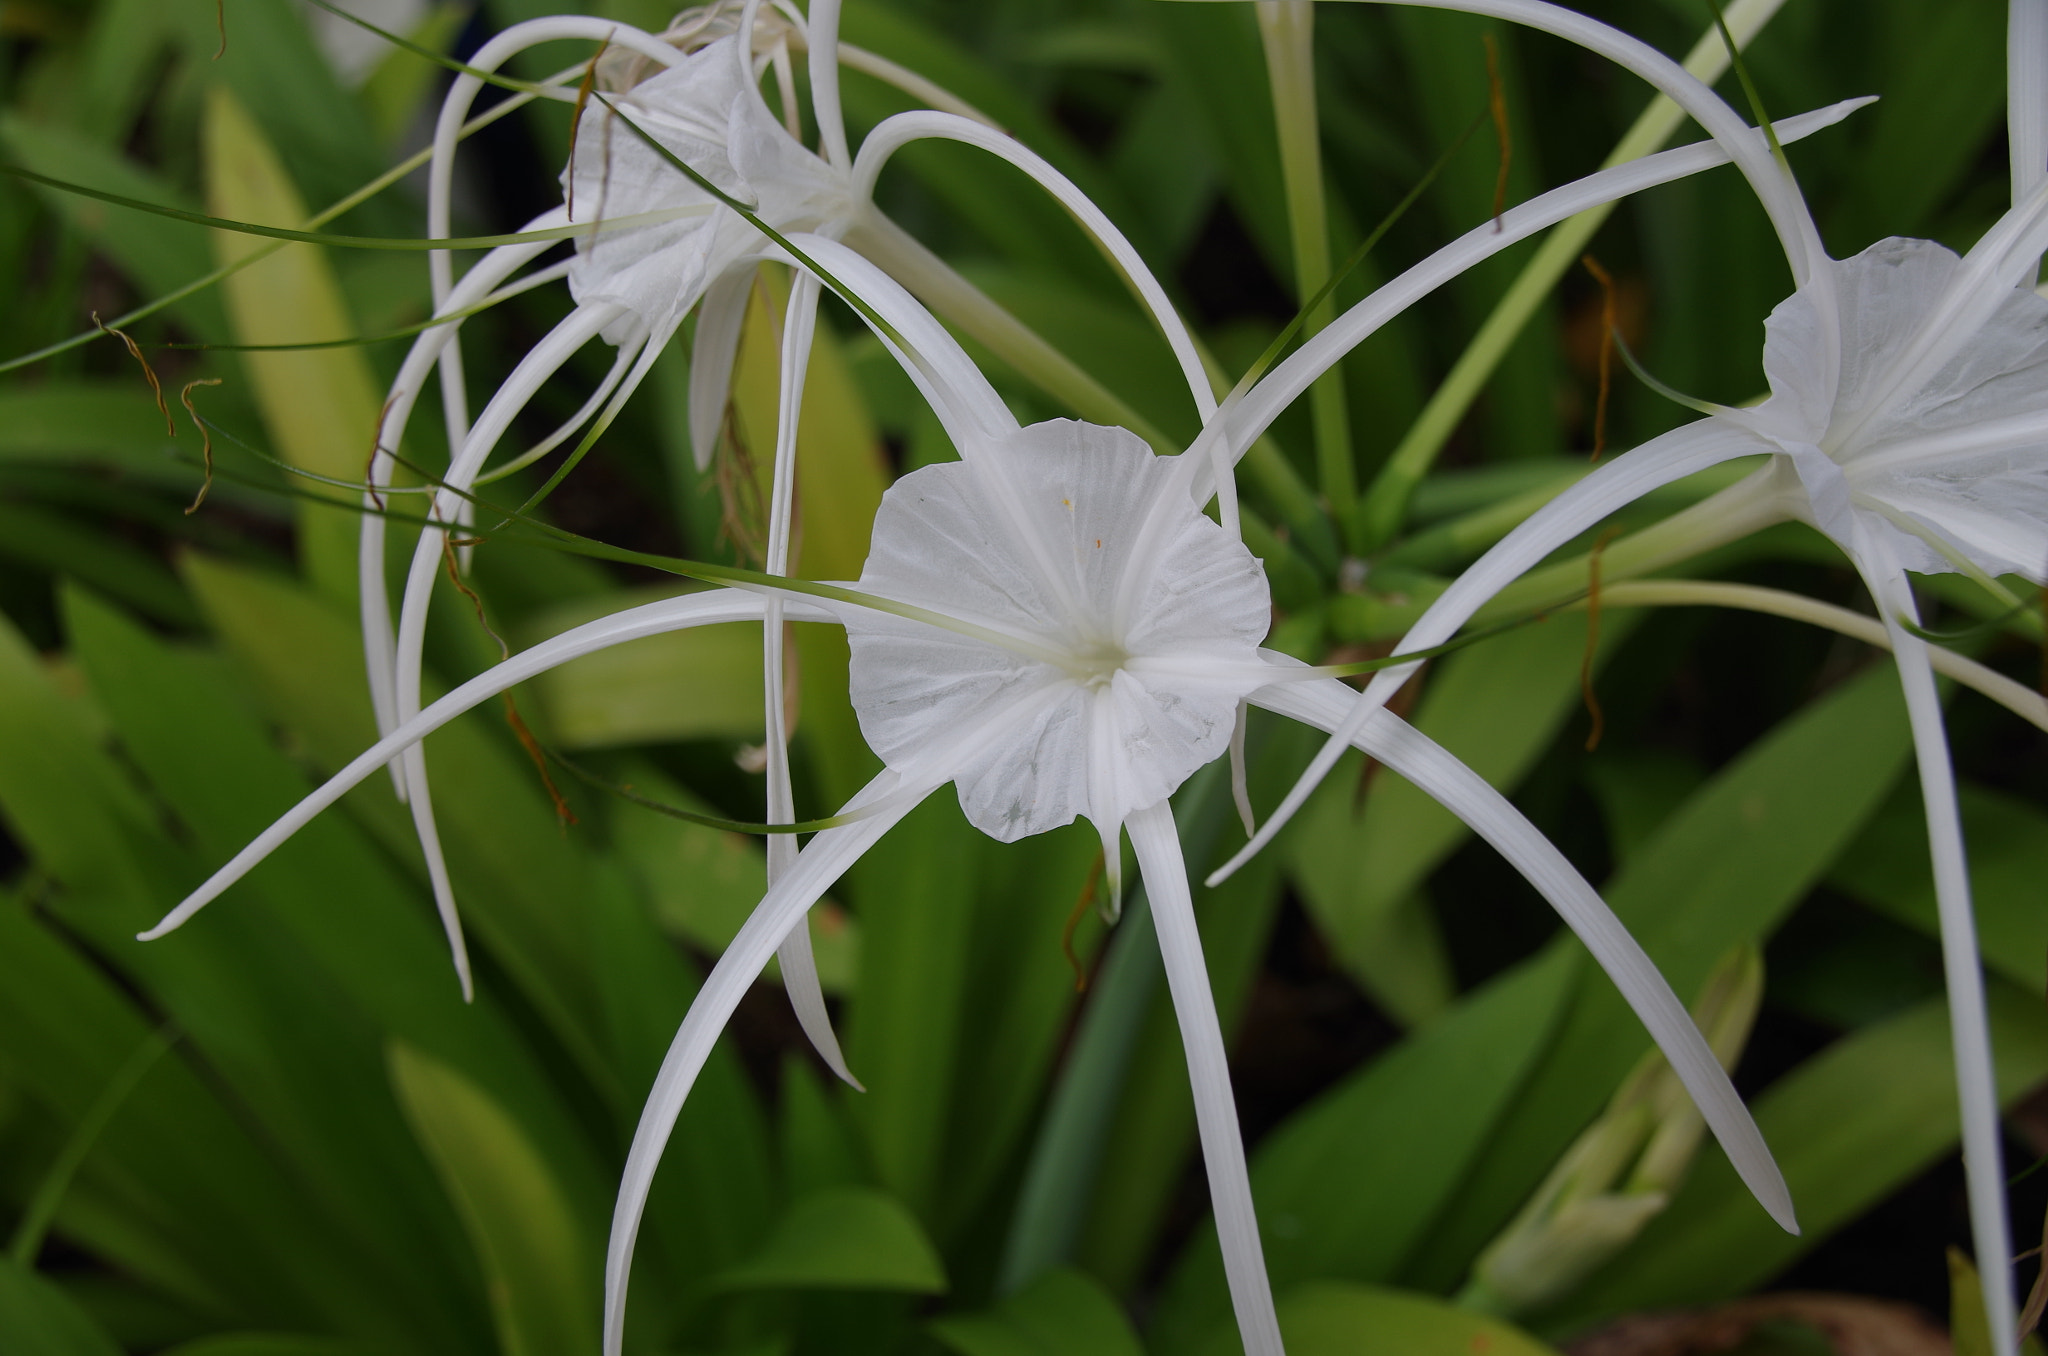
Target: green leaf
<point>320,406</point>
<point>1848,1127</point>
<point>1062,1313</point>
<point>695,684</point>
<point>704,883</point>
<point>1348,1183</point>
<point>63,545</point>
<point>363,931</point>
<point>1726,868</point>
<point>1497,706</point>
<point>157,255</point>
<point>38,1319</point>
<point>1361,1320</point>
<point>537,1262</point>
<point>2008,839</point>
<point>915,894</point>
<point>277,72</point>
<point>517,875</point>
<point>178,1192</point>
<point>582,950</point>
<point>270,1344</point>
<point>1940,73</point>
<point>397,84</point>
<point>842,1238</point>
<point>997,200</point>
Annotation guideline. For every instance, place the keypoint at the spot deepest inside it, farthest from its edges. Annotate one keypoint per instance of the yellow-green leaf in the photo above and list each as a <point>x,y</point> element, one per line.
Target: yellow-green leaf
<point>1334,1319</point>
<point>1062,1313</point>
<point>319,406</point>
<point>537,1262</point>
<point>843,1238</point>
<point>695,684</point>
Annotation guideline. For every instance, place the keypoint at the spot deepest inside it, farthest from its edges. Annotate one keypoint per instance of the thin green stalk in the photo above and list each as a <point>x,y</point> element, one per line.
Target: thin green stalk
<point>1386,500</point>
<point>354,200</point>
<point>1287,31</point>
<point>29,1233</point>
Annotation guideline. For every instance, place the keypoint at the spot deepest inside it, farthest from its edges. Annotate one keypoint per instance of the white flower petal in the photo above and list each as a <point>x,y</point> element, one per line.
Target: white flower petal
<point>1040,538</point>
<point>1969,1024</point>
<point>1187,978</point>
<point>955,388</point>
<point>712,353</point>
<point>1463,792</point>
<point>707,112</point>
<point>1299,370</point>
<point>821,36</point>
<point>2026,95</point>
<point>894,133</point>
<point>824,859</point>
<point>420,359</point>
<point>670,614</point>
<point>1615,485</point>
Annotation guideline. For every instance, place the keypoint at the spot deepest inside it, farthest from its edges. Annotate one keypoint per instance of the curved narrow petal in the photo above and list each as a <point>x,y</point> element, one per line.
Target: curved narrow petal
<point>1675,455</point>
<point>375,602</point>
<point>712,353</point>
<point>970,409</point>
<point>1969,1024</point>
<point>1464,793</point>
<point>1773,185</point>
<point>600,397</point>
<point>2026,95</point>
<point>799,966</point>
<point>822,38</point>
<point>1296,373</point>
<point>1187,978</point>
<point>455,106</point>
<point>427,560</point>
<point>670,614</point>
<point>2025,702</point>
<point>894,133</point>
<point>824,859</point>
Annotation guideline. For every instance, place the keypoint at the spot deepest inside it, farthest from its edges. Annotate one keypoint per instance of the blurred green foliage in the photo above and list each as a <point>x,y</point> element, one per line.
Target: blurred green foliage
<point>336,1157</point>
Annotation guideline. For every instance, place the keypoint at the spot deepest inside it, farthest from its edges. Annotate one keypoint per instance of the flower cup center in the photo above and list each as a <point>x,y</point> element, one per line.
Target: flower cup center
<point>1094,663</point>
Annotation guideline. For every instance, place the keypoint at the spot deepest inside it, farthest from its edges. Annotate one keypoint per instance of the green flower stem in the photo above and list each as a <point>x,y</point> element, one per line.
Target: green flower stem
<point>1059,1179</point>
<point>1715,521</point>
<point>1386,500</point>
<point>2018,698</point>
<point>1287,31</point>
<point>934,282</point>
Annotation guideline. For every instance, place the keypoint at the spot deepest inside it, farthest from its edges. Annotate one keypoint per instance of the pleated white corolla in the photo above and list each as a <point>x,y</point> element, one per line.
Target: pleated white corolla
<point>1053,627</point>
<point>1133,640</point>
<point>1907,420</point>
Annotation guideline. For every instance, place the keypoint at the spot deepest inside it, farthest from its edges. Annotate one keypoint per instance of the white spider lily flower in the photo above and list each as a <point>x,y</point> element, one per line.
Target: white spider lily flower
<point>1908,420</point>
<point>675,247</point>
<point>1052,626</point>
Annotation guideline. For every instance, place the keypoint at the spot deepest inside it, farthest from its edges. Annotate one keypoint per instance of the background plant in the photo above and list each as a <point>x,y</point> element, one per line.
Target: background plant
<point>283,1132</point>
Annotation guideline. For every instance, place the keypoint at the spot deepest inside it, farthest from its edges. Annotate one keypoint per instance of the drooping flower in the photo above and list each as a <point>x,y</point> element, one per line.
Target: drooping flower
<point>1052,626</point>
<point>1907,420</point>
